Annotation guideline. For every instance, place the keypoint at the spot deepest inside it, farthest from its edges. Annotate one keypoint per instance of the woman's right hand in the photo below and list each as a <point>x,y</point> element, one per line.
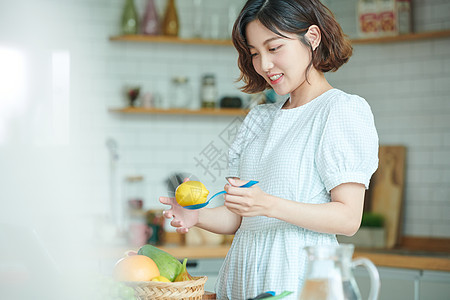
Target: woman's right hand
<point>182,218</point>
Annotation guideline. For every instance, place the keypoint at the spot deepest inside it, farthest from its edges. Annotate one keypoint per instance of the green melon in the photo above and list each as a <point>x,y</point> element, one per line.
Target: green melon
<point>168,265</point>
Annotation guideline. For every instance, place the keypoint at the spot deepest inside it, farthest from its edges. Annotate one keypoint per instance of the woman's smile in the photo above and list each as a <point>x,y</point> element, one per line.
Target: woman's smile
<point>276,78</point>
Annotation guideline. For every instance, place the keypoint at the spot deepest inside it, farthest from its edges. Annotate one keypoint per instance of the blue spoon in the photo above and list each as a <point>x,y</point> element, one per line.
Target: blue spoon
<point>201,205</point>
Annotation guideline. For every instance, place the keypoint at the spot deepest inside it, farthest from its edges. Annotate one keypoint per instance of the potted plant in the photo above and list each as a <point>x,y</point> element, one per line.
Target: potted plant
<point>371,234</point>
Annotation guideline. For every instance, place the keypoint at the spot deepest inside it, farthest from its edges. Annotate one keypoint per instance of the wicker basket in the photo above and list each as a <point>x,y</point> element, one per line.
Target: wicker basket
<point>154,290</point>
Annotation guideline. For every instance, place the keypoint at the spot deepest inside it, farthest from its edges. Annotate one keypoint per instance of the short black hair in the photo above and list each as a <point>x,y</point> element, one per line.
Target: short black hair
<point>291,16</point>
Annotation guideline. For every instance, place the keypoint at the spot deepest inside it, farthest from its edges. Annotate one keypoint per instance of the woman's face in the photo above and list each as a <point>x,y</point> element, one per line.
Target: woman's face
<point>281,61</point>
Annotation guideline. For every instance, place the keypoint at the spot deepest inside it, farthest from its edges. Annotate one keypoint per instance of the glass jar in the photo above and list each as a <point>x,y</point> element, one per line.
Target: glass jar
<point>156,221</point>
<point>138,230</point>
<point>136,226</point>
<point>209,91</point>
<point>134,191</point>
<point>180,92</point>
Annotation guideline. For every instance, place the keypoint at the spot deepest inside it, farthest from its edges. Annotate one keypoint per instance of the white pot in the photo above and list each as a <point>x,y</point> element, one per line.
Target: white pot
<point>366,237</point>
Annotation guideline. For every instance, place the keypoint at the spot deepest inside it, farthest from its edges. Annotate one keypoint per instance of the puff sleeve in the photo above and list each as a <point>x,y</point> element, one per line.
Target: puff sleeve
<point>348,147</point>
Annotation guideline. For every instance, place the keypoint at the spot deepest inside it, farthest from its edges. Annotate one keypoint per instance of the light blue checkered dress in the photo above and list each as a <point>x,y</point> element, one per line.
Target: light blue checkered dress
<point>298,154</point>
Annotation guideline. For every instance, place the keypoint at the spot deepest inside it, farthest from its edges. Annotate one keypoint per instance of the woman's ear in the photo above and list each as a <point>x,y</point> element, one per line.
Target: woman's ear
<point>314,36</point>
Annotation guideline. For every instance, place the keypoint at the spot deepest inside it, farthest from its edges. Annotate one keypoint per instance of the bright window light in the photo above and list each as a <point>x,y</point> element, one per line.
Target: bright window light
<point>60,97</point>
<point>12,86</point>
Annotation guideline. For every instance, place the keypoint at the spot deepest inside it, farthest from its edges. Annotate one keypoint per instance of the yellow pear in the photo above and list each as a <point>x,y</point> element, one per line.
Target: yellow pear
<point>190,193</point>
<point>184,275</point>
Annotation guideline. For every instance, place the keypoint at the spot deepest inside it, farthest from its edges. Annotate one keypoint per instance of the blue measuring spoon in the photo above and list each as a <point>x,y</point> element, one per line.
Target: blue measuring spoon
<point>201,205</point>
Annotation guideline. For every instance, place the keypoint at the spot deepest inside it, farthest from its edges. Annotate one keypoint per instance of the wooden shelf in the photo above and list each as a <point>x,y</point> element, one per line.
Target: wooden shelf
<point>180,111</point>
<point>197,41</point>
<point>404,37</point>
<point>169,40</point>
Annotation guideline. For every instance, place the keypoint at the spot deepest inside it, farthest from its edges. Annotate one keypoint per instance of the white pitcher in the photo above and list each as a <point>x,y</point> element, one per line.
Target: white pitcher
<point>330,277</point>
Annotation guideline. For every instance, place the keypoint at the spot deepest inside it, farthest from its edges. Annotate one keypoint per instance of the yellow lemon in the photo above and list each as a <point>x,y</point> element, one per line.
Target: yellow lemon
<point>161,279</point>
<point>190,193</point>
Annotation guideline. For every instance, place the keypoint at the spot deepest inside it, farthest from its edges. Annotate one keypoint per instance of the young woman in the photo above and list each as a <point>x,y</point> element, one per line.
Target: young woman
<point>312,154</point>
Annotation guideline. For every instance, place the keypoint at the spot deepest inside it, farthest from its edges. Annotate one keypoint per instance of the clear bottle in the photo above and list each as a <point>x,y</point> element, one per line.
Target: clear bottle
<point>209,91</point>
<point>197,19</point>
<point>171,23</point>
<point>130,20</point>
<point>232,15</point>
<point>404,16</point>
<point>150,23</point>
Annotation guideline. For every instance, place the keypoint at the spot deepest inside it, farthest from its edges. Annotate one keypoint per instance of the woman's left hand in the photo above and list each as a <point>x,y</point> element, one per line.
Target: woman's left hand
<point>245,202</point>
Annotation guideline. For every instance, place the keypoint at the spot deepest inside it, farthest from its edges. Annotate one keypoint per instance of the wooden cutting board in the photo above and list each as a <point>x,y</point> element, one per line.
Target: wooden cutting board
<point>387,190</point>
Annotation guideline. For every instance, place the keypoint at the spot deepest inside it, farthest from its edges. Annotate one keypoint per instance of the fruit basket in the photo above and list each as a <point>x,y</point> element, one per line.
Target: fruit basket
<point>154,290</point>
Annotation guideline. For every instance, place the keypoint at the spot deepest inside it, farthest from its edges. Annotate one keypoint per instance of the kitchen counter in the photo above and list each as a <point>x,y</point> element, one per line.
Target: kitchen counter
<point>384,258</point>
<point>191,252</point>
<point>407,259</point>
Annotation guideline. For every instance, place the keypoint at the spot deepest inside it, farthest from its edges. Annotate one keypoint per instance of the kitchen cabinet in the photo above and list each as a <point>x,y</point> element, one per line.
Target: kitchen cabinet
<point>434,285</point>
<point>405,284</point>
<point>396,283</point>
<point>206,267</point>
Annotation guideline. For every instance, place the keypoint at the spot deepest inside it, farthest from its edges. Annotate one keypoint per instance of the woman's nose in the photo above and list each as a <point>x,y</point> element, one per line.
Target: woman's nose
<point>266,63</point>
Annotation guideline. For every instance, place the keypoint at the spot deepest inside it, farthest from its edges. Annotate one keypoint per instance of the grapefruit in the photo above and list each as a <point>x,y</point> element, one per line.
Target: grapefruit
<point>135,268</point>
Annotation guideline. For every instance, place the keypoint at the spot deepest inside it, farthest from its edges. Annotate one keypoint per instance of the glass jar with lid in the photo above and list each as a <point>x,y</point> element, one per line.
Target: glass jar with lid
<point>180,92</point>
<point>209,91</point>
<point>136,227</point>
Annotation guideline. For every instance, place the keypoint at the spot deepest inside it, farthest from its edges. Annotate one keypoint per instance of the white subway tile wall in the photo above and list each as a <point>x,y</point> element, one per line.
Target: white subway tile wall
<point>407,85</point>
